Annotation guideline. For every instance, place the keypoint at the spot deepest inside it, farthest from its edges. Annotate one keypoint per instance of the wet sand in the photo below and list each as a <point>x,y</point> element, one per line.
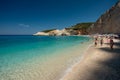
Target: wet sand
<point>99,63</point>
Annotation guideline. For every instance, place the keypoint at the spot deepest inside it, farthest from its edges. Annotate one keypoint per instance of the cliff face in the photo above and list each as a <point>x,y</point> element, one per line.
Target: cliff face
<point>53,33</point>
<point>79,29</point>
<point>109,22</point>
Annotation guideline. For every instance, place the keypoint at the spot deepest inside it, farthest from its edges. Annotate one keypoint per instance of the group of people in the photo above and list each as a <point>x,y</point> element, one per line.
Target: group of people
<point>99,40</point>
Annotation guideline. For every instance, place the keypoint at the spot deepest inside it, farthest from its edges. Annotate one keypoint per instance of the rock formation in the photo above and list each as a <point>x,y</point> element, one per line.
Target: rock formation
<point>56,32</point>
<point>41,34</point>
<point>109,22</point>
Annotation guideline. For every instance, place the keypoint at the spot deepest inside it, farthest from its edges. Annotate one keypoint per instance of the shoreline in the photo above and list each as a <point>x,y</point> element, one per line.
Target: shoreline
<point>50,67</point>
<point>75,64</point>
<point>89,68</point>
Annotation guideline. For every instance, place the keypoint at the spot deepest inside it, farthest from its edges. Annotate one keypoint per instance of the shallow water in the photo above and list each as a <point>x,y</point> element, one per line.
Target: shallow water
<point>39,57</point>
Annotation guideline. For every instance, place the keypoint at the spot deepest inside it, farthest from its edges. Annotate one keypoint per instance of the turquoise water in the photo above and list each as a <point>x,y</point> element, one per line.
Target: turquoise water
<point>14,50</point>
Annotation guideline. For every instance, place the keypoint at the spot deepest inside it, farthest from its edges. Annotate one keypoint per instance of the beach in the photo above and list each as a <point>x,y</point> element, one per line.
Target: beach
<point>80,60</point>
<point>98,63</point>
<point>60,40</point>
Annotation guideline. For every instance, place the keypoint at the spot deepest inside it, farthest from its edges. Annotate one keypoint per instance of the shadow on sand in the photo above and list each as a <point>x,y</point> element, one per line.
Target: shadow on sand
<point>115,50</point>
<point>110,69</point>
<point>115,44</point>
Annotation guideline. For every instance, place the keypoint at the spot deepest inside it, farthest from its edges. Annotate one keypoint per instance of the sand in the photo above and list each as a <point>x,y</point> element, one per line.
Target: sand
<point>99,63</point>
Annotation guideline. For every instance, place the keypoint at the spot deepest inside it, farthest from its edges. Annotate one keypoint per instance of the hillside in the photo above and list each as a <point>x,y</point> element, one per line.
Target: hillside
<point>48,30</point>
<point>81,26</point>
<point>78,29</point>
<point>109,22</point>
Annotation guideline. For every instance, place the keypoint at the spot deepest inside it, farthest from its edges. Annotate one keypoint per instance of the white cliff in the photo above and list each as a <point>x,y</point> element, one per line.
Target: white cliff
<point>41,34</point>
<point>56,32</point>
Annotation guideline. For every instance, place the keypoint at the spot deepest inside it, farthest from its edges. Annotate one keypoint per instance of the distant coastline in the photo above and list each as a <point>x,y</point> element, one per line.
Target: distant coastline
<point>78,29</point>
<point>107,23</point>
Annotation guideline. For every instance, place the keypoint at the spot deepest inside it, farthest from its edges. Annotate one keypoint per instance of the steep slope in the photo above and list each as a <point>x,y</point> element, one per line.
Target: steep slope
<point>79,29</point>
<point>109,22</point>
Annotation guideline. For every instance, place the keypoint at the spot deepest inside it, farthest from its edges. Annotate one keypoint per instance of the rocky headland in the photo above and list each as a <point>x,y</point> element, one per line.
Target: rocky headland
<point>78,29</point>
<point>108,23</point>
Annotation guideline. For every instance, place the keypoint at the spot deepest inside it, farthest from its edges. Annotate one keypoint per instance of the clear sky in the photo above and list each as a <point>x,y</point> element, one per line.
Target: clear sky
<point>31,16</point>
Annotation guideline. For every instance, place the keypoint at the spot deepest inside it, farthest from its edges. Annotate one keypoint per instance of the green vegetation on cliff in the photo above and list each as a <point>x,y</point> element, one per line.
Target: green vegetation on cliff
<point>48,30</point>
<point>76,29</point>
<point>80,26</point>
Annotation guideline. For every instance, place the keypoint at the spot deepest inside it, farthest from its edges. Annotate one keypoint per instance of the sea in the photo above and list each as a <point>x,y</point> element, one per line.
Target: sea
<point>27,57</point>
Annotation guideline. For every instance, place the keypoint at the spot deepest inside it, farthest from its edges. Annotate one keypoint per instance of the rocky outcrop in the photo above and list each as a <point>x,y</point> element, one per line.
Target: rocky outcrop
<point>109,22</point>
<point>79,29</point>
<point>41,34</point>
<point>59,32</point>
<point>56,32</point>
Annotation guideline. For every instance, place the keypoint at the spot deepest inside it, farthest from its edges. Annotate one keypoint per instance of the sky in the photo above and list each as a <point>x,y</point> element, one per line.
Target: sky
<point>25,17</point>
